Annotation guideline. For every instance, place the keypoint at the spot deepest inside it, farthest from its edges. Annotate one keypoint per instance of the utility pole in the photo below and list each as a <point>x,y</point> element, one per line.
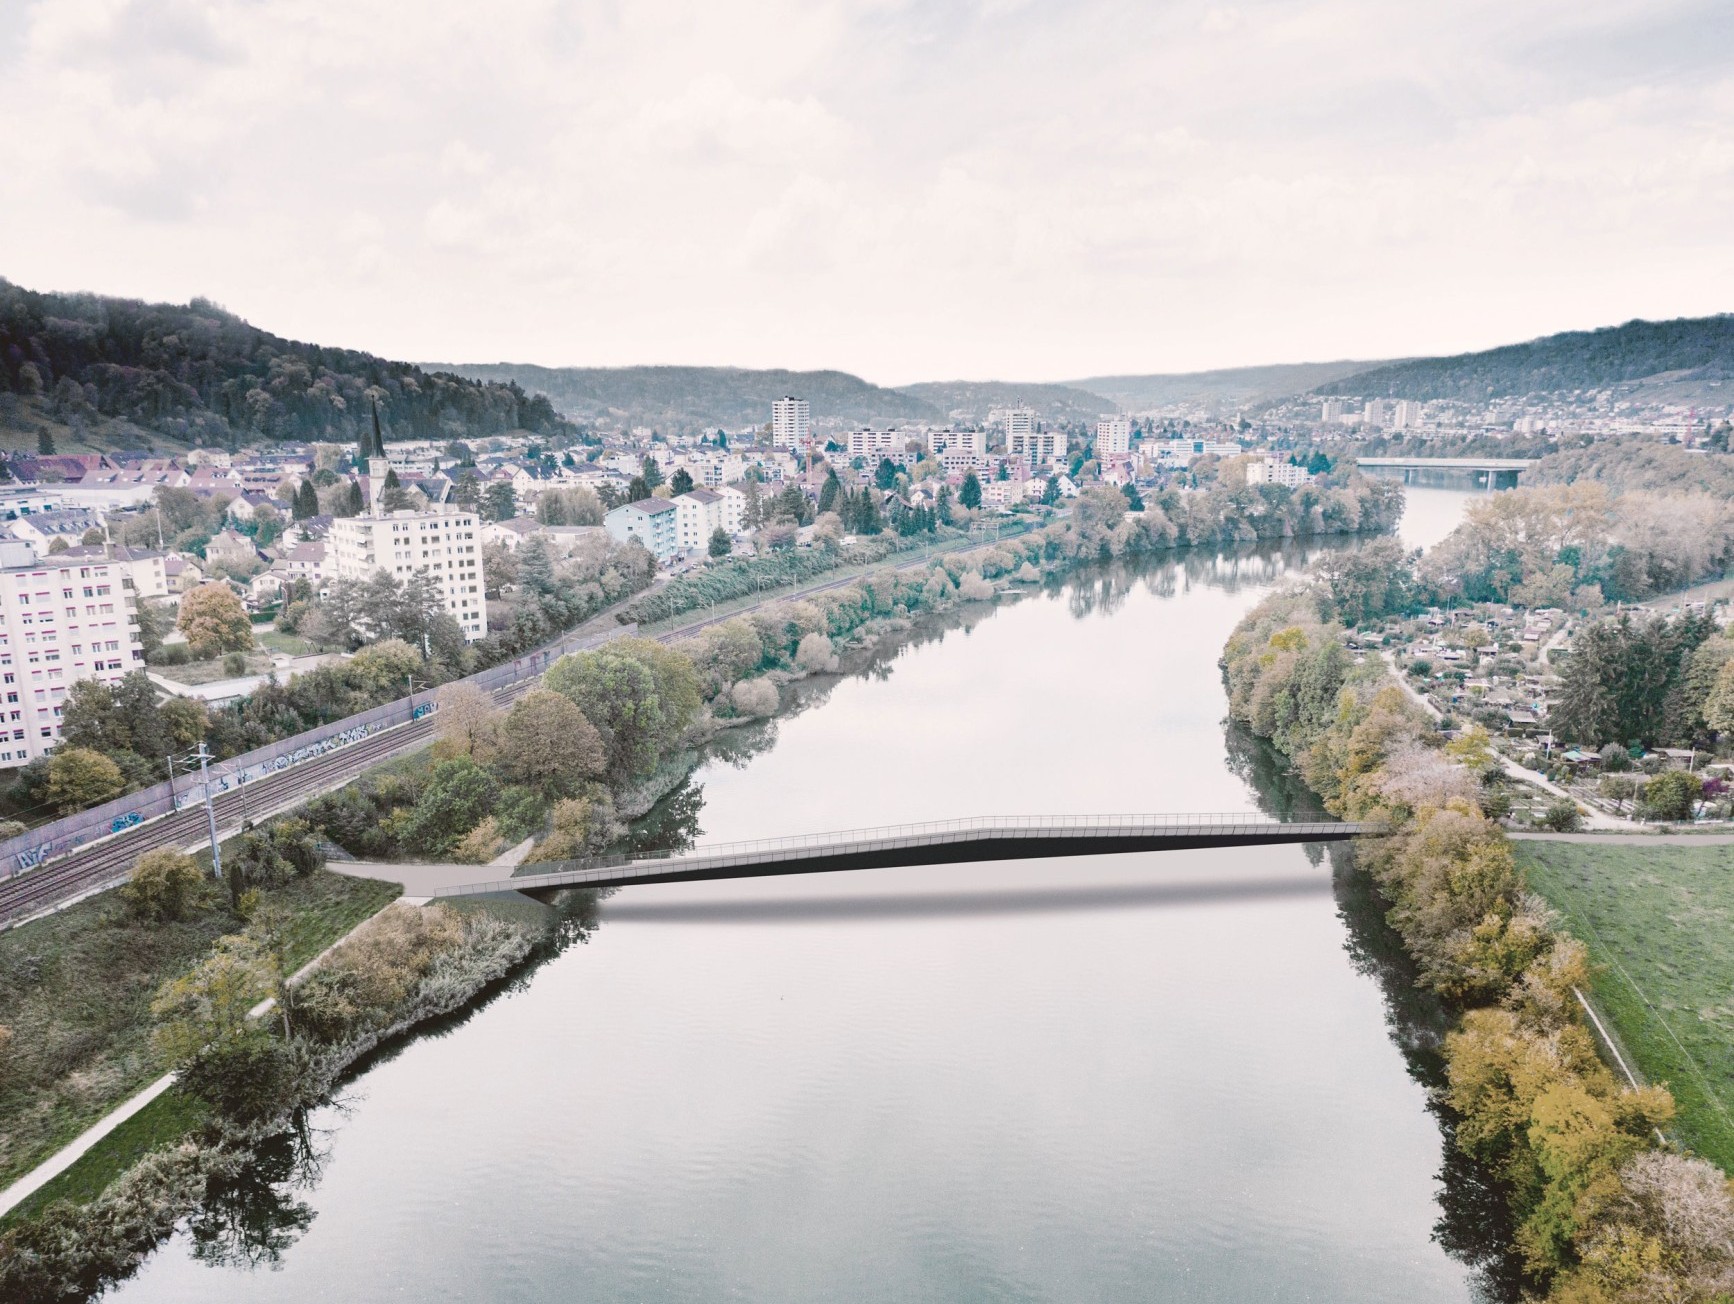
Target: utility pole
<point>204,759</point>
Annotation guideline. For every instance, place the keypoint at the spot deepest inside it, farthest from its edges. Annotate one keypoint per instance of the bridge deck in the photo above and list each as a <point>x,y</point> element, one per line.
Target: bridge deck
<point>938,843</point>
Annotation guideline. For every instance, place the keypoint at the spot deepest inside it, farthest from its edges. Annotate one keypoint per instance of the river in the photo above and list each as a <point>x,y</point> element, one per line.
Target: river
<point>1192,1076</point>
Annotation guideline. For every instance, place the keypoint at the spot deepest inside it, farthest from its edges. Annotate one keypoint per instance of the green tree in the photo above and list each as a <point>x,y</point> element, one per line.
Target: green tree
<point>970,494</point>
<point>652,473</point>
<point>637,489</point>
<point>214,621</point>
<point>79,778</point>
<point>207,1006</point>
<point>547,744</point>
<point>393,497</point>
<point>681,482</point>
<point>45,442</point>
<point>352,502</point>
<point>617,694</point>
<point>458,797</point>
<point>885,474</point>
<point>1134,501</point>
<point>499,501</point>
<point>306,501</point>
<point>720,543</point>
<point>535,569</point>
<point>828,492</point>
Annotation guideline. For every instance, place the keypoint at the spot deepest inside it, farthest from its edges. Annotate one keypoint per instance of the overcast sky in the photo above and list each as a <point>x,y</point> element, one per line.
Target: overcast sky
<point>1006,189</point>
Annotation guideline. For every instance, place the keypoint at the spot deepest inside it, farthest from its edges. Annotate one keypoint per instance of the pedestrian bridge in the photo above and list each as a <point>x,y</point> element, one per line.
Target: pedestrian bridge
<point>943,842</point>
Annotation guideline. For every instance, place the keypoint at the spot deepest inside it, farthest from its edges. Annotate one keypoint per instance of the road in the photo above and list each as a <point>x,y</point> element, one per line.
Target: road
<point>104,864</point>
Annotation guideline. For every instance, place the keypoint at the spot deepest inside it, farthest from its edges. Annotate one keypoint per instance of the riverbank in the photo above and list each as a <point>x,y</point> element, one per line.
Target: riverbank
<point>1576,1146</point>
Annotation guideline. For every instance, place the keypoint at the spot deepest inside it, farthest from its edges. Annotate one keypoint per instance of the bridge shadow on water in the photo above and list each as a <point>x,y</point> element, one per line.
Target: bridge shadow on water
<point>983,904</point>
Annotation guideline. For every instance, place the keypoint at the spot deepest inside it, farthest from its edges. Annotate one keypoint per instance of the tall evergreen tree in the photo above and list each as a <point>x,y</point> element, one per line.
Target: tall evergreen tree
<point>306,502</point>
<point>828,493</point>
<point>652,473</point>
<point>353,501</point>
<point>970,494</point>
<point>681,483</point>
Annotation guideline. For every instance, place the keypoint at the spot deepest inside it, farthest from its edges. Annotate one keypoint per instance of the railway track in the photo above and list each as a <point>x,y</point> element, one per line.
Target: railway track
<point>104,864</point>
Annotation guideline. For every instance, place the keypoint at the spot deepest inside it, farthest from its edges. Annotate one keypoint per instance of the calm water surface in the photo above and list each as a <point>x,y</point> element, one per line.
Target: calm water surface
<point>1157,1077</point>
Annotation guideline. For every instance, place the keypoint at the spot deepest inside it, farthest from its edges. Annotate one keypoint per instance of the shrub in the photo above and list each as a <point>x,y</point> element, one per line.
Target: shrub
<point>235,664</point>
<point>1670,796</point>
<point>1562,817</point>
<point>973,588</point>
<point>815,653</point>
<point>162,885</point>
<point>755,697</point>
<point>248,1078</point>
<point>480,845</point>
<point>582,826</point>
<point>520,813</point>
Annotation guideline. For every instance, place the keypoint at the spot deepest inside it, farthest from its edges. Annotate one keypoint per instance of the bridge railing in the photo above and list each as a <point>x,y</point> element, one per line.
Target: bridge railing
<point>801,845</point>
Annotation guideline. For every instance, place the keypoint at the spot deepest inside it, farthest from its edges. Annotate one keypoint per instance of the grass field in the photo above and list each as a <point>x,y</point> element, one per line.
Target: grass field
<point>1659,922</point>
<point>76,988</point>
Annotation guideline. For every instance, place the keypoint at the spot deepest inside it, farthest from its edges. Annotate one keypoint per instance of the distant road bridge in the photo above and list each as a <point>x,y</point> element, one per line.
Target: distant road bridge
<point>943,842</point>
<point>1484,472</point>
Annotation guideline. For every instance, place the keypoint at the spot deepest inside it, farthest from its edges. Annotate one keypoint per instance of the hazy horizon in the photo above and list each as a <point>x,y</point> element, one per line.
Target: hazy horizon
<point>1009,188</point>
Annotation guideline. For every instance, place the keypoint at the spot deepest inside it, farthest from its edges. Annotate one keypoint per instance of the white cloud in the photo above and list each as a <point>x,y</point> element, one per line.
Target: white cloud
<point>1037,189</point>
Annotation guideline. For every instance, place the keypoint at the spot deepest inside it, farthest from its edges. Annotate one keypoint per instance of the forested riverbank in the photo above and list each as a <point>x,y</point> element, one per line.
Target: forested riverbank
<point>1601,1211</point>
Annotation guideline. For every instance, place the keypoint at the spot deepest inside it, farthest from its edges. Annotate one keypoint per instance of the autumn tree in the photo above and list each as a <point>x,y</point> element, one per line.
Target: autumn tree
<point>79,778</point>
<point>214,621</point>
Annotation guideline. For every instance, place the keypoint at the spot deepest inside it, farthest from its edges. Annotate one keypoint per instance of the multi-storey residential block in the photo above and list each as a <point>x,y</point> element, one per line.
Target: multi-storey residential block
<point>701,513</point>
<point>443,543</point>
<point>1273,470</point>
<point>1034,447</point>
<point>60,621</point>
<point>875,444</point>
<point>949,440</point>
<point>654,522</point>
<point>791,424</point>
<point>1113,436</point>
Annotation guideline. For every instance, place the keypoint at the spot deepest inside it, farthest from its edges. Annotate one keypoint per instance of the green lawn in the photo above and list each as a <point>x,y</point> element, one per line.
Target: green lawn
<point>272,640</point>
<point>1659,921</point>
<point>76,988</point>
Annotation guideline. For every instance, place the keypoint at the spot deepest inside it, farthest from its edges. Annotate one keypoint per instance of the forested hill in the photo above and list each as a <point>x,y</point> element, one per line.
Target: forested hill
<point>1681,354</point>
<point>1221,391</point>
<point>972,400</point>
<point>194,370</point>
<point>688,398</point>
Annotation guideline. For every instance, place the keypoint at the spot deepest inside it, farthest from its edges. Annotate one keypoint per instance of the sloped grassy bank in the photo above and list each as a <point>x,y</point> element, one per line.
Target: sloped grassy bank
<point>403,971</point>
<point>1602,1209</point>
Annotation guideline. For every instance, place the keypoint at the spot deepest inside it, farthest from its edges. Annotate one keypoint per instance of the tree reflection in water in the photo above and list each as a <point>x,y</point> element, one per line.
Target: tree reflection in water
<point>1474,1224</point>
<point>249,1219</point>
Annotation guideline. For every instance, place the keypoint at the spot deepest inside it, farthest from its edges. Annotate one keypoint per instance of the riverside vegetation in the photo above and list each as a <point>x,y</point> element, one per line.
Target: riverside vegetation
<point>1602,1212</point>
<point>610,732</point>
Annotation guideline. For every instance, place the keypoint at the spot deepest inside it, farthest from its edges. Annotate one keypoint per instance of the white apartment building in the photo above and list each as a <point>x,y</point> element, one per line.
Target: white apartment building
<point>791,423</point>
<point>702,512</point>
<point>972,442</point>
<point>1035,447</point>
<point>1113,436</point>
<point>1273,470</point>
<point>441,542</point>
<point>875,444</point>
<point>1375,413</point>
<point>1331,411</point>
<point>1019,422</point>
<point>1406,414</point>
<point>60,622</point>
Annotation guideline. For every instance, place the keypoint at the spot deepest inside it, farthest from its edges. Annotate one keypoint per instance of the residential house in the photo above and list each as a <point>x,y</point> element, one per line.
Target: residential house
<point>652,521</point>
